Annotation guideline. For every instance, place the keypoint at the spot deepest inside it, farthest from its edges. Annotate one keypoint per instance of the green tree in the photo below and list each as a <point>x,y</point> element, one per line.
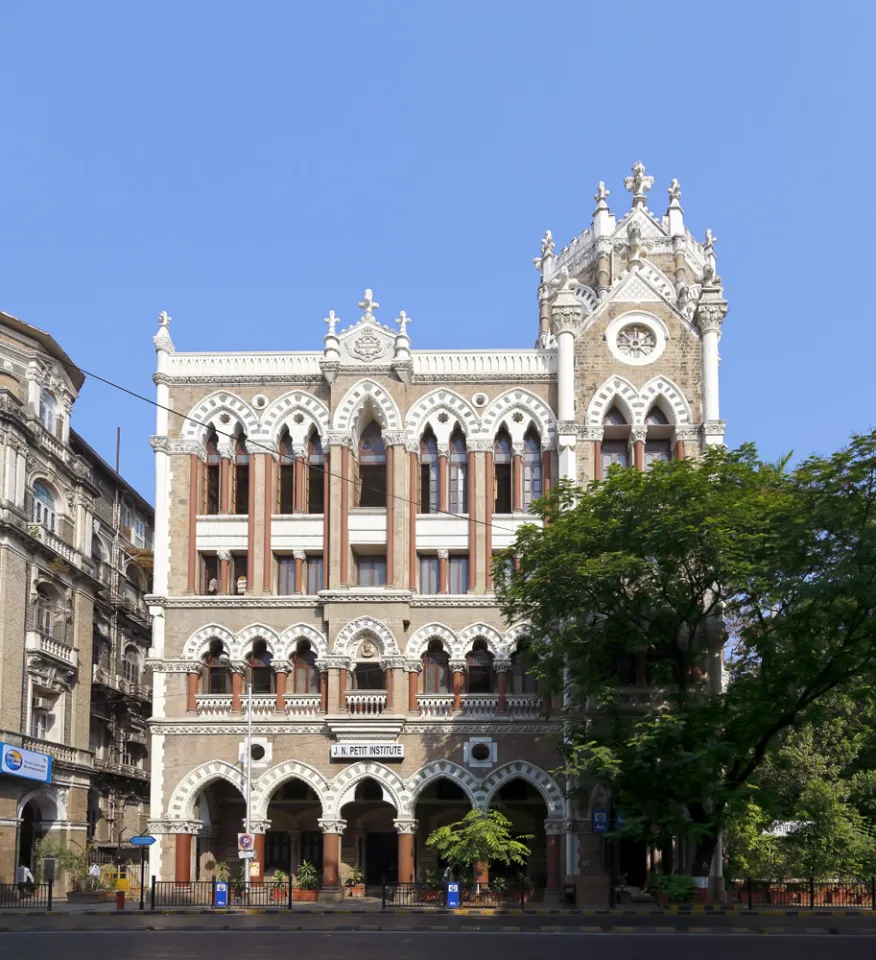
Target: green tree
<point>648,567</point>
<point>480,838</point>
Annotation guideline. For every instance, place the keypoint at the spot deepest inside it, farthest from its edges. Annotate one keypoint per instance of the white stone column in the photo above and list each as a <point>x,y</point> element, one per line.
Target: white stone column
<point>710,317</point>
<point>163,350</point>
<point>565,320</point>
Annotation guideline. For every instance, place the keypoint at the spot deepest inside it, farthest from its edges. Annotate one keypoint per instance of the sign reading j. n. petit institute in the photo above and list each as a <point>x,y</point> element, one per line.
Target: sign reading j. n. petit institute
<point>367,751</point>
<point>25,763</point>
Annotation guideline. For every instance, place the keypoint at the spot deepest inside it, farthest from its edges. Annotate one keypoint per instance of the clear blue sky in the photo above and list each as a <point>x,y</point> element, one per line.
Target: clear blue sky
<point>247,166</point>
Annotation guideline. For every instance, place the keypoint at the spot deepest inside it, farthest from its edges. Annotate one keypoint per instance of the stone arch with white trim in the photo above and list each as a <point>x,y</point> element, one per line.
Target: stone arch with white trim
<point>365,626</point>
<point>419,641</point>
<point>282,413</point>
<point>534,410</point>
<point>616,390</point>
<point>427,409</point>
<point>477,631</point>
<point>302,631</point>
<point>674,403</point>
<point>446,770</point>
<point>395,791</point>
<point>198,643</point>
<point>268,783</point>
<point>207,413</point>
<point>512,637</point>
<point>246,638</point>
<point>552,795</point>
<point>182,801</point>
<point>51,804</point>
<point>366,393</point>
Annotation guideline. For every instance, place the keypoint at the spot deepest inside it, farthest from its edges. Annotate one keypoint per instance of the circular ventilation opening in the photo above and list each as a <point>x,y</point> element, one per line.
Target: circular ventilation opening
<point>479,399</point>
<point>480,751</point>
<point>259,401</point>
<point>257,751</point>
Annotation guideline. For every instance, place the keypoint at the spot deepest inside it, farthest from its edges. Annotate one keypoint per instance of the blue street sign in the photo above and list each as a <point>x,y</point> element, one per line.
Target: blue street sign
<point>142,841</point>
<point>452,896</point>
<point>600,820</point>
<point>221,894</point>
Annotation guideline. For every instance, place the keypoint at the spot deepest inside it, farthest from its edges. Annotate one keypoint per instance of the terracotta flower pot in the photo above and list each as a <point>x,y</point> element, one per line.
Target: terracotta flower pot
<point>305,896</point>
<point>357,890</point>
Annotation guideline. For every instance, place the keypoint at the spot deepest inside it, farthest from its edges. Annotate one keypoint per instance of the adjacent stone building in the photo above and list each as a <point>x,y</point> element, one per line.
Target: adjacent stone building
<point>75,558</point>
<point>325,527</point>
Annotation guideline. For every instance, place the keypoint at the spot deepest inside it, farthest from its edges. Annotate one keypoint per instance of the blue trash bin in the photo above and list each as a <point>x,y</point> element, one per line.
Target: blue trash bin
<point>453,896</point>
<point>221,894</point>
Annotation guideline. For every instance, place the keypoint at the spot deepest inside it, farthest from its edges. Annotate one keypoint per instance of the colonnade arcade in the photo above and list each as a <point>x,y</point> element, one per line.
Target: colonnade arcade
<point>365,817</point>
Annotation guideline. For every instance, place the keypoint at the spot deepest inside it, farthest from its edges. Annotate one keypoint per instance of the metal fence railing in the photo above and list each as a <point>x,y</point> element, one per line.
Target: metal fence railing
<point>202,893</point>
<point>26,896</point>
<point>803,894</point>
<point>517,895</point>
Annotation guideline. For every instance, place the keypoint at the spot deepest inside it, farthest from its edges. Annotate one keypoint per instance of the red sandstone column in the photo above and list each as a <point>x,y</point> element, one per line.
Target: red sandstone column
<point>342,688</point>
<point>326,530</point>
<point>299,570</point>
<point>638,438</point>
<point>412,533</point>
<point>191,690</point>
<point>345,513</point>
<point>407,831</point>
<point>443,483</point>
<point>442,570</point>
<point>183,866</point>
<point>458,684</point>
<point>194,500</point>
<point>387,674</point>
<point>517,483</point>
<point>545,472</point>
<point>224,484</point>
<point>331,850</point>
<point>554,861</point>
<point>502,668</point>
<point>413,678</point>
<point>323,691</point>
<point>268,585</point>
<point>472,525</point>
<point>260,856</point>
<point>298,480</point>
<point>236,690</point>
<point>597,459</point>
<point>281,692</point>
<point>390,515</point>
<point>224,571</point>
<point>489,493</point>
<point>679,449</point>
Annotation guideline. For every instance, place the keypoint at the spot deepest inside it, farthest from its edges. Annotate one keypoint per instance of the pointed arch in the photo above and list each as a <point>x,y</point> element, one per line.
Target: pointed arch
<point>427,409</point>
<point>208,412</point>
<point>366,395</point>
<point>246,637</point>
<point>445,770</point>
<point>674,403</point>
<point>269,782</point>
<point>302,631</point>
<point>182,801</point>
<point>481,631</point>
<point>513,636</point>
<point>419,641</point>
<point>535,411</point>
<point>196,645</point>
<point>523,770</point>
<point>343,787</point>
<point>616,390</point>
<point>365,626</point>
<point>283,412</point>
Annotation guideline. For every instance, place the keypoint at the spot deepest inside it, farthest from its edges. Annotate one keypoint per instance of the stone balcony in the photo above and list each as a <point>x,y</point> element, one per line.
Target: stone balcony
<point>121,769</point>
<point>480,706</point>
<point>367,703</point>
<point>38,642</point>
<point>59,752</point>
<point>303,705</point>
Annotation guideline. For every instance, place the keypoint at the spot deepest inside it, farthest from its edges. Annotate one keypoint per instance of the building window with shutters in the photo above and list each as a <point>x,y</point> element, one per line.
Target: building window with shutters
<point>371,465</point>
<point>502,470</point>
<point>314,573</point>
<point>240,477</point>
<point>287,475</point>
<point>429,573</point>
<point>286,576</point>
<point>305,673</point>
<point>457,574</point>
<point>315,475</point>
<point>429,479</point>
<point>211,476</point>
<point>458,473</point>
<point>371,571</point>
<point>532,486</point>
<point>436,669</point>
<point>480,669</point>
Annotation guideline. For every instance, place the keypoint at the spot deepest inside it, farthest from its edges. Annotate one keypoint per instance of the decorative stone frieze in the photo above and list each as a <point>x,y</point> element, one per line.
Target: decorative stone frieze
<point>169,825</point>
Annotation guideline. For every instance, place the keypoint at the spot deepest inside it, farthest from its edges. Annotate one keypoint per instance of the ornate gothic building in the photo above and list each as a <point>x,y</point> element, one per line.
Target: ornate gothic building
<point>325,527</point>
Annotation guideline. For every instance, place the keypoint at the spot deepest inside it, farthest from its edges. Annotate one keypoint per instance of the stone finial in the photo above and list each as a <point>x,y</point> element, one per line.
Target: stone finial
<point>332,320</point>
<point>674,193</point>
<point>164,320</point>
<point>368,304</point>
<point>547,251</point>
<point>162,340</point>
<point>600,196</point>
<point>709,242</point>
<point>638,184</point>
<point>710,270</point>
<point>403,320</point>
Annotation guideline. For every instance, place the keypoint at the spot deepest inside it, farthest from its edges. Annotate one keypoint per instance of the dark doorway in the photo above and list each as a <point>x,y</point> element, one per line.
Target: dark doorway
<point>381,857</point>
<point>29,834</point>
<point>633,861</point>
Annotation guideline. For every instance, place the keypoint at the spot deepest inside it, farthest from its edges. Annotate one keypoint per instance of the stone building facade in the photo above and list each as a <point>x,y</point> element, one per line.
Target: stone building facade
<point>325,527</point>
<point>75,543</point>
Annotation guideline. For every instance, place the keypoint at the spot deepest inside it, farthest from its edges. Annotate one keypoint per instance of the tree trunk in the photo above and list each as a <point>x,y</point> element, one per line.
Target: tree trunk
<point>701,868</point>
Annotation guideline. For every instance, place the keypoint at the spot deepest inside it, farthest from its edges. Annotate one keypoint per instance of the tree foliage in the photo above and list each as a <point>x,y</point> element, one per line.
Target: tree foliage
<point>636,579</point>
<point>480,837</point>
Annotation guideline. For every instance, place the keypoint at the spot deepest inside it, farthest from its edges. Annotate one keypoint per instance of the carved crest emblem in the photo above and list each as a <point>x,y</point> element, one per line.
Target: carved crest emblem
<point>367,347</point>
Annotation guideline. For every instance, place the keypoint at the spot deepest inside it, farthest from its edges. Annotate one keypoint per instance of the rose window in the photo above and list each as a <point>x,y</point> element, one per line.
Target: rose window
<point>636,341</point>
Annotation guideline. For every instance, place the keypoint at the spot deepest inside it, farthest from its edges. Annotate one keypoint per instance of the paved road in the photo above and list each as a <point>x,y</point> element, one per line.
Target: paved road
<point>264,945</point>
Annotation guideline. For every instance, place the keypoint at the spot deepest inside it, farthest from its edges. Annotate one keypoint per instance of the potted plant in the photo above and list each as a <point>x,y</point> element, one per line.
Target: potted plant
<point>307,883</point>
<point>355,883</point>
<point>528,885</point>
<point>499,887</point>
<point>223,874</point>
<point>657,887</point>
<point>82,887</point>
<point>431,886</point>
<point>278,887</point>
<point>622,892</point>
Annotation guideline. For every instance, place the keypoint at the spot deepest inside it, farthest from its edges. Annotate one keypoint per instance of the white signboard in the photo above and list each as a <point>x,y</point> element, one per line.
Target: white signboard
<point>25,763</point>
<point>367,751</point>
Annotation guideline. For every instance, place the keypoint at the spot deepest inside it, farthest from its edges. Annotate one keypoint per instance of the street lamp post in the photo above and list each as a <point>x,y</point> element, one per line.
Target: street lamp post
<point>247,672</point>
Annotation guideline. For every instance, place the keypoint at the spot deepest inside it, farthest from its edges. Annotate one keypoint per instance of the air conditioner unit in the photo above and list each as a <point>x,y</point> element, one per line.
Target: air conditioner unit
<point>42,703</point>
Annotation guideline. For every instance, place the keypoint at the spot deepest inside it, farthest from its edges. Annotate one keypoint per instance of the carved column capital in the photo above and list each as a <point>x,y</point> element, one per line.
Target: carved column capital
<point>458,666</point>
<point>332,826</point>
<point>406,826</point>
<point>638,434</point>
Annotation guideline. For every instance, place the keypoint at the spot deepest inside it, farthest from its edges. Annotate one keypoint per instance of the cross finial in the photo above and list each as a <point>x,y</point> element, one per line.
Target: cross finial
<point>547,250</point>
<point>368,303</point>
<point>709,242</point>
<point>403,320</point>
<point>164,319</point>
<point>332,322</point>
<point>638,184</point>
<point>674,193</point>
<point>600,196</point>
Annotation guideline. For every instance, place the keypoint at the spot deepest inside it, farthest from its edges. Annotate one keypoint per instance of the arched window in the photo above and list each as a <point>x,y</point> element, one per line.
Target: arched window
<point>371,486</point>
<point>46,613</point>
<point>614,418</point>
<point>531,467</point>
<point>47,411</point>
<point>458,472</point>
<point>429,473</point>
<point>658,445</point>
<point>260,665</point>
<point>655,450</point>
<point>315,475</point>
<point>656,417</point>
<point>616,445</point>
<point>287,475</point>
<point>211,475</point>
<point>368,675</point>
<point>240,477</point>
<point>216,675</point>
<point>436,669</point>
<point>480,668</point>
<point>522,678</point>
<point>305,673</point>
<point>44,506</point>
<point>131,665</point>
<point>502,470</point>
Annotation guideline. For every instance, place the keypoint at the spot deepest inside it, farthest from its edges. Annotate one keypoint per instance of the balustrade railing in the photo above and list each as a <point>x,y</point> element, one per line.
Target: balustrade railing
<point>303,705</point>
<point>262,705</point>
<point>213,704</point>
<point>368,703</point>
<point>42,642</point>
<point>526,705</point>
<point>434,706</point>
<point>479,705</point>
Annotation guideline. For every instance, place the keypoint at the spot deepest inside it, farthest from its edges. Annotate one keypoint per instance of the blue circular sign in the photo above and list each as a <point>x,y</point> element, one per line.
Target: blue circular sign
<point>14,760</point>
